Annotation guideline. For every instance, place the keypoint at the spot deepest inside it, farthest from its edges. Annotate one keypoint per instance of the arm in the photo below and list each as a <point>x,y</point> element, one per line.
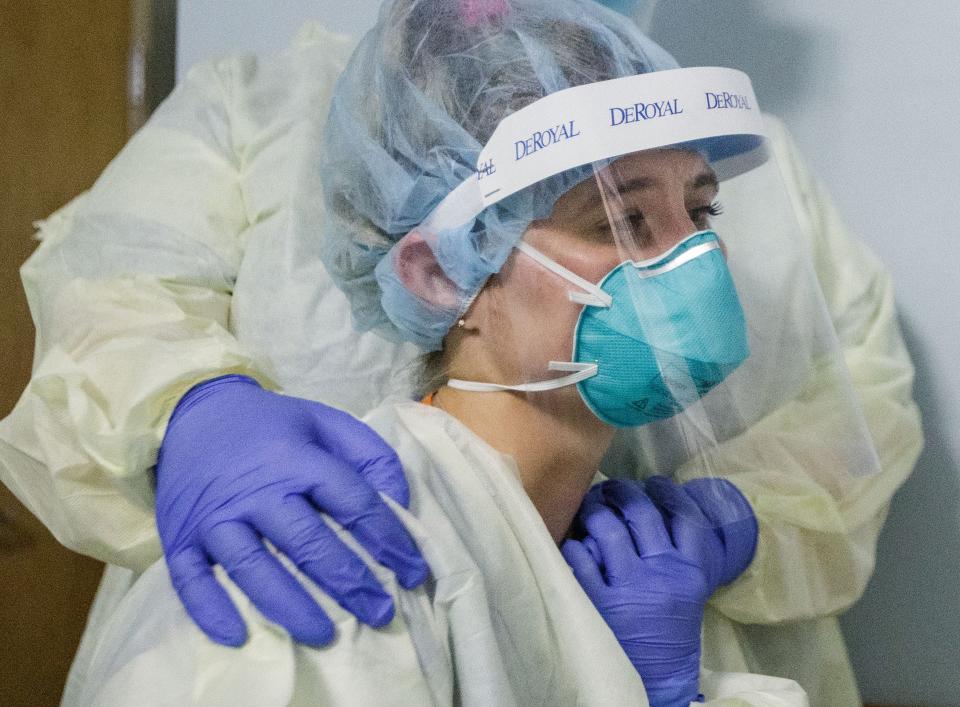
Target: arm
<point>130,294</point>
<point>131,290</point>
<point>816,549</point>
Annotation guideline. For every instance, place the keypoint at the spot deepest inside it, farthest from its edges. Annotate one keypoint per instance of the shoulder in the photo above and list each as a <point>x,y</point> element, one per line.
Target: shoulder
<point>255,88</point>
<point>425,439</point>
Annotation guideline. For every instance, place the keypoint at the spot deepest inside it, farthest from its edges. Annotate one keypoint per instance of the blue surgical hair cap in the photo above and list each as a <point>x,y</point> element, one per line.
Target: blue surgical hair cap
<point>416,103</point>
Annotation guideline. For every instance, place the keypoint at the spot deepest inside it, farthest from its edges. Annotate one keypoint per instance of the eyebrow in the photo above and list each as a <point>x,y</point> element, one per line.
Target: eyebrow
<point>591,201</point>
<point>704,179</point>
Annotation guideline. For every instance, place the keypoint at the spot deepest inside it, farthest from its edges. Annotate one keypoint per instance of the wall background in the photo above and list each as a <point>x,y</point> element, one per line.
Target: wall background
<point>872,97</point>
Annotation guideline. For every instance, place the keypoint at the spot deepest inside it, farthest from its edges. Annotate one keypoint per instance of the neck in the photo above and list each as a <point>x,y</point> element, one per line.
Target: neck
<point>556,442</point>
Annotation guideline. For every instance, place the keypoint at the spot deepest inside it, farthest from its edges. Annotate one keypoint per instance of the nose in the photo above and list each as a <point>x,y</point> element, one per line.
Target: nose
<point>669,224</point>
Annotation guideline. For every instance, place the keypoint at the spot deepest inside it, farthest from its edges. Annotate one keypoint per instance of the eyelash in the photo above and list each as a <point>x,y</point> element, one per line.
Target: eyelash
<point>715,209</point>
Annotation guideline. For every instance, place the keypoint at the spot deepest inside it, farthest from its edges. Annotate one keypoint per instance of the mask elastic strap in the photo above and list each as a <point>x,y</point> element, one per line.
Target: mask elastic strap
<point>582,371</point>
<point>592,296</point>
<point>596,297</point>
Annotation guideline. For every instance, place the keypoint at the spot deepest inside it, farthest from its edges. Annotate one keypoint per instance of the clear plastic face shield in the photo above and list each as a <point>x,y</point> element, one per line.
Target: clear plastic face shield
<point>699,334</point>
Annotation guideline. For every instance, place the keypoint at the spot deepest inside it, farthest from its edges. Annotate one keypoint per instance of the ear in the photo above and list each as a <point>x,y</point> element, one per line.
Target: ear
<point>418,270</point>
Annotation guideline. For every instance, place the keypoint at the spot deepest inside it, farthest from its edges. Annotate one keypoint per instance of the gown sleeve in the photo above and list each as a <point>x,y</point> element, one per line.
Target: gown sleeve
<point>130,291</point>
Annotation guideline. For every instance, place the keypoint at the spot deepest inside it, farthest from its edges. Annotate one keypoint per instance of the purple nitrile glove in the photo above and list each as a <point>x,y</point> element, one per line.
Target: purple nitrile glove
<point>240,465</point>
<point>647,590</point>
<point>711,521</point>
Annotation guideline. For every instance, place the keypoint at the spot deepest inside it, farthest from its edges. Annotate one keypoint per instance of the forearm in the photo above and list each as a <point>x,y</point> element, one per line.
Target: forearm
<point>817,530</point>
<point>80,443</point>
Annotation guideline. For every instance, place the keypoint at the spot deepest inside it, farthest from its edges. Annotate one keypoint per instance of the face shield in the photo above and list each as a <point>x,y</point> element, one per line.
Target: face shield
<point>675,322</point>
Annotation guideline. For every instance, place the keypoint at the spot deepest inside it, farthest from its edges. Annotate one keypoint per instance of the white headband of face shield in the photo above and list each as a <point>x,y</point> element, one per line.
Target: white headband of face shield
<point>607,119</point>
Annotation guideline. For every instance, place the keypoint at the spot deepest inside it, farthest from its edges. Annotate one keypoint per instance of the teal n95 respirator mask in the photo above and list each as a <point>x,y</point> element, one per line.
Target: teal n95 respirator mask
<point>654,335</point>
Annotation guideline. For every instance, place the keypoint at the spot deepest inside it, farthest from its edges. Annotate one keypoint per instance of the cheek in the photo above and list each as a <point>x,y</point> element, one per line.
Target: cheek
<point>540,314</point>
<point>593,264</point>
<point>590,259</point>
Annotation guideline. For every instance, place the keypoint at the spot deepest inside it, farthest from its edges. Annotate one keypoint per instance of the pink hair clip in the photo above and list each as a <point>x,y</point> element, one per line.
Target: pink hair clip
<point>474,12</point>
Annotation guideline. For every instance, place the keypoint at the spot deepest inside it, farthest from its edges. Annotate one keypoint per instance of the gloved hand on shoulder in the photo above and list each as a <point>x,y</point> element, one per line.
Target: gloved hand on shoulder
<point>240,465</point>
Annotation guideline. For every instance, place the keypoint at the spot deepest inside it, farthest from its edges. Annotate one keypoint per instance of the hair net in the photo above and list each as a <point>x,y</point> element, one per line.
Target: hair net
<point>420,97</point>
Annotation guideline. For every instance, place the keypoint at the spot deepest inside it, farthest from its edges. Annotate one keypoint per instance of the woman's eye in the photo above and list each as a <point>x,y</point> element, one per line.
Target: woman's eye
<point>633,221</point>
<point>702,214</point>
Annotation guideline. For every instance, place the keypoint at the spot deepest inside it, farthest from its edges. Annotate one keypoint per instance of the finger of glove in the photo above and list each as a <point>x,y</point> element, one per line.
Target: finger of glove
<point>584,565</point>
<point>356,445</point>
<point>577,529</point>
<point>619,555</point>
<point>719,500</point>
<point>268,584</point>
<point>205,600</point>
<point>692,532</point>
<point>347,498</point>
<point>680,511</point>
<point>673,499</point>
<point>595,493</point>
<point>641,516</point>
<point>301,534</point>
<point>591,546</point>
<point>730,512</point>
